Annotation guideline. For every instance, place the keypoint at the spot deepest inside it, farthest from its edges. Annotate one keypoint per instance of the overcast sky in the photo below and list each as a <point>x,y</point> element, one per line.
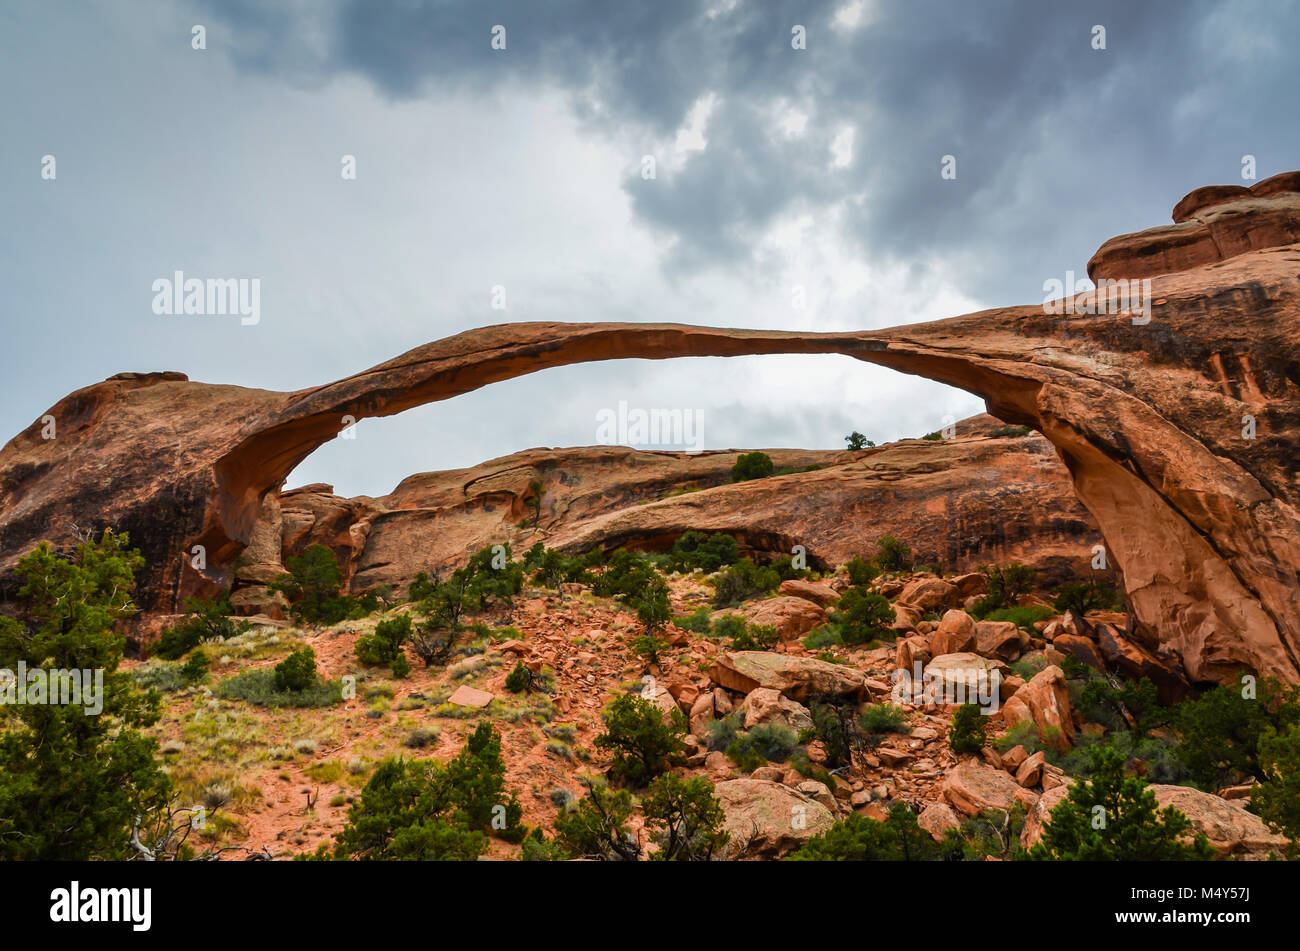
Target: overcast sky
<point>775,169</point>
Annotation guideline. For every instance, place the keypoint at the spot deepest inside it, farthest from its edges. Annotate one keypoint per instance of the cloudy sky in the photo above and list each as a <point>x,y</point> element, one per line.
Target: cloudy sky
<point>775,169</point>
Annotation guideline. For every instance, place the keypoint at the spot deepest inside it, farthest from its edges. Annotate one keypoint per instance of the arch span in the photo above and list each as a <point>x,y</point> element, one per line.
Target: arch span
<point>1147,417</point>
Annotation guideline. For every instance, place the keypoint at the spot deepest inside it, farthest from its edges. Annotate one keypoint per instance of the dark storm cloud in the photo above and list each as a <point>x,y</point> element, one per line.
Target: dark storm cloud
<point>1058,146</point>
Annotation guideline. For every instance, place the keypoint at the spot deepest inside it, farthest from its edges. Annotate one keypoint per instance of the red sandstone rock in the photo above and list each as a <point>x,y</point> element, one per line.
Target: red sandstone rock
<point>1045,702</point>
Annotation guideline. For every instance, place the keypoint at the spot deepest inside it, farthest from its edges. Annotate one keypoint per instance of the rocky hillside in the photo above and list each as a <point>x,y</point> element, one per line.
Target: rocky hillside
<point>991,494</point>
<point>285,779</point>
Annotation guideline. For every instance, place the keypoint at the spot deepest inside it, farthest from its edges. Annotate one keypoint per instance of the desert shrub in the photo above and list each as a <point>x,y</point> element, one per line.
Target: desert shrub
<point>833,726</point>
<point>1086,596</point>
<point>723,731</point>
<point>702,551</point>
<point>553,568</point>
<point>860,839</point>
<point>1219,733</point>
<point>209,620</point>
<point>967,732</point>
<point>420,737</point>
<point>384,644</point>
<point>729,627</point>
<point>519,680</point>
<point>1005,585</point>
<point>412,810</point>
<point>596,828</point>
<point>312,587</point>
<point>489,579</point>
<point>810,770</point>
<point>1277,799</point>
<point>160,676</point>
<point>297,672</point>
<point>685,819</point>
<point>752,465</point>
<point>564,732</point>
<point>649,647</point>
<point>785,570</point>
<point>855,441</point>
<point>883,718</point>
<point>642,743</point>
<point>652,607</point>
<point>1121,704</point>
<point>764,743</point>
<point>1033,739</point>
<point>821,637</point>
<point>537,848</point>
<point>860,571</point>
<point>195,668</point>
<point>863,616</point>
<point>742,581</point>
<point>755,637</point>
<point>1115,818</point>
<point>72,784</point>
<point>699,621</point>
<point>625,573</point>
<point>992,833</point>
<point>1028,668</point>
<point>258,687</point>
<point>1012,432</point>
<point>892,555</point>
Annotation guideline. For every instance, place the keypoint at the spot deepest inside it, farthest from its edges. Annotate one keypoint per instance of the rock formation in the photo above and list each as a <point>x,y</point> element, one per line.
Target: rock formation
<point>1180,433</point>
<point>960,503</point>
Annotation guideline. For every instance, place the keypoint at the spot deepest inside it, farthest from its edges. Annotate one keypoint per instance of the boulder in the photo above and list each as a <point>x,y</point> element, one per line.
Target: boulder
<point>1000,639</point>
<point>1080,648</point>
<point>970,585</point>
<point>956,633</point>
<point>817,592</point>
<point>1045,702</point>
<point>906,617</point>
<point>962,678</point>
<point>765,705</point>
<point>1133,661</point>
<point>771,817</point>
<point>973,787</point>
<point>797,677</point>
<point>819,792</point>
<point>792,617</point>
<point>701,715</point>
<point>928,594</point>
<point>256,600</point>
<point>938,819</point>
<point>1013,757</point>
<point>1030,772</point>
<point>909,651</point>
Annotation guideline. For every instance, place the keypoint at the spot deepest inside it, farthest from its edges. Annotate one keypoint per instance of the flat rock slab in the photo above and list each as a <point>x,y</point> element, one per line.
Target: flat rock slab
<point>797,677</point>
<point>470,697</point>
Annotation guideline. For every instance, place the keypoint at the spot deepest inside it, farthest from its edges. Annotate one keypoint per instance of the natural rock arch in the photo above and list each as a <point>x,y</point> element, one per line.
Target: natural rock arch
<point>1202,522</point>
